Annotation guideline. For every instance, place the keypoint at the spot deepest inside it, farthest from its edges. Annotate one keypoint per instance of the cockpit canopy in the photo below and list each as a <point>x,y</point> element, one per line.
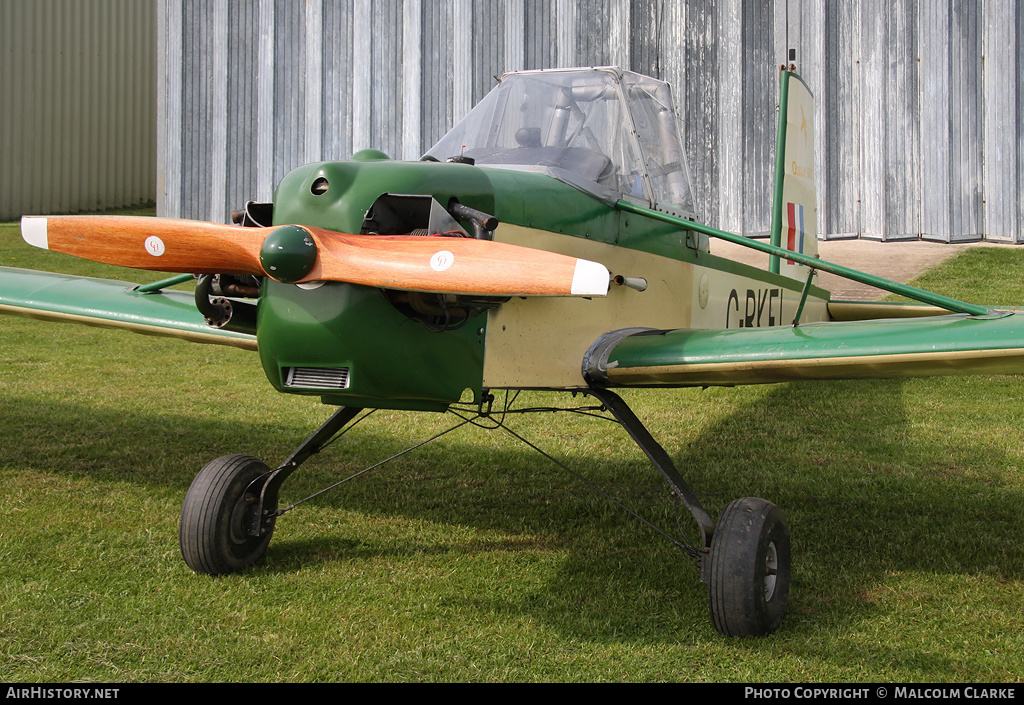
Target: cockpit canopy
<point>608,132</point>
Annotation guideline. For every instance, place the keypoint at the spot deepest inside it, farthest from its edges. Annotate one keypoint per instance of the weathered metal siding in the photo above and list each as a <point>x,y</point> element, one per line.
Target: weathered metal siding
<point>1003,91</point>
<point>77,105</point>
<point>917,100</point>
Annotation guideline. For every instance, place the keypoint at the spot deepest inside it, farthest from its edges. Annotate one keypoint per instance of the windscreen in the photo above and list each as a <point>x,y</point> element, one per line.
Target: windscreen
<point>654,119</point>
<point>564,123</point>
<point>607,133</point>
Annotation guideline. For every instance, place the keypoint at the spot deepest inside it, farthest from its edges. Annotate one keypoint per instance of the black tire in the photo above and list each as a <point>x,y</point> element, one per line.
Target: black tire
<point>211,532</point>
<point>750,569</point>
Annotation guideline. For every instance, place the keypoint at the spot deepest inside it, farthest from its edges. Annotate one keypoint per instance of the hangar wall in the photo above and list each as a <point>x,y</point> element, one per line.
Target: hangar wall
<point>917,100</point>
<point>77,105</point>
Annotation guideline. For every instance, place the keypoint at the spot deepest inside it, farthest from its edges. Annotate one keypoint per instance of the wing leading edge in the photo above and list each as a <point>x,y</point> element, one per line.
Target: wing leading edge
<point>922,347</point>
<point>112,304</point>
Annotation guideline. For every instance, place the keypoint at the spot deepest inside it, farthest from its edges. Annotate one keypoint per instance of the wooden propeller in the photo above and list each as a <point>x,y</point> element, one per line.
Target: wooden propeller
<point>299,253</point>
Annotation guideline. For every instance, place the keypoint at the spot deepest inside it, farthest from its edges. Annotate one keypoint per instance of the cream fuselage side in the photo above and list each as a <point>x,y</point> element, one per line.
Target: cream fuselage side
<point>541,342</point>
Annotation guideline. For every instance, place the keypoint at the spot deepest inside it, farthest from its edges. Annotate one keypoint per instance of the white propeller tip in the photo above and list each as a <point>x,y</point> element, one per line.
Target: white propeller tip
<point>590,279</point>
<point>33,230</point>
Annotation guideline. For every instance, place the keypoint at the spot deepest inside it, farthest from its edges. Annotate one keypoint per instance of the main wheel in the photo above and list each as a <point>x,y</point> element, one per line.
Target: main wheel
<point>750,568</point>
<point>212,529</point>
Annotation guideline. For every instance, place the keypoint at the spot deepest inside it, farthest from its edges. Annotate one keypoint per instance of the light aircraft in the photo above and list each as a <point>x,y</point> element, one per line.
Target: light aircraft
<point>547,242</point>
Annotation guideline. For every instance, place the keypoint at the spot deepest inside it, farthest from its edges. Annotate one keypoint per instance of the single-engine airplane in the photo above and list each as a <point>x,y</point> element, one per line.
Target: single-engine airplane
<point>546,242</point>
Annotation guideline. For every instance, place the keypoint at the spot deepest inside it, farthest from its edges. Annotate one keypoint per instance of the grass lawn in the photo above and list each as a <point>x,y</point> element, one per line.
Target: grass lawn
<point>475,559</point>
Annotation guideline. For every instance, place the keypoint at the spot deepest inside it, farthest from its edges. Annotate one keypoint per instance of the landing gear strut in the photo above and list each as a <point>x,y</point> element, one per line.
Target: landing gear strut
<point>745,557</point>
<point>228,518</point>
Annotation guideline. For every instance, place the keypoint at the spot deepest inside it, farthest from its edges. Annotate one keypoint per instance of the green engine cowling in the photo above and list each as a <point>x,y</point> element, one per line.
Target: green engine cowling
<point>349,344</point>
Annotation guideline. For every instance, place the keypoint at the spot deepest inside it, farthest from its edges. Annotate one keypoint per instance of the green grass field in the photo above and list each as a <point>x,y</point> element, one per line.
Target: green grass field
<point>475,559</point>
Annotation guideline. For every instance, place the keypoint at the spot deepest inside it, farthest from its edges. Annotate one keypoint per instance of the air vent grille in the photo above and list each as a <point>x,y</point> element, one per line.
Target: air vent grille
<point>316,377</point>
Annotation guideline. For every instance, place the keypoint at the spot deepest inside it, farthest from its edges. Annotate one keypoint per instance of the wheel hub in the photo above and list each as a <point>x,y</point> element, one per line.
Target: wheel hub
<point>238,520</point>
<point>771,570</point>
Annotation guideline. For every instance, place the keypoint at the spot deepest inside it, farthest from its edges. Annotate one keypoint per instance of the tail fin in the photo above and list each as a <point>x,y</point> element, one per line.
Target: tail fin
<point>795,208</point>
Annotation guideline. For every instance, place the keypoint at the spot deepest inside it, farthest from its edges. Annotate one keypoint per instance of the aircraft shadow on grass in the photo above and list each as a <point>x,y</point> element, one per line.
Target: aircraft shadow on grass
<point>906,503</point>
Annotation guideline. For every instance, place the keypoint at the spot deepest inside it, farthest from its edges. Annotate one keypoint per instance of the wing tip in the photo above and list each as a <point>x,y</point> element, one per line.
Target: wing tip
<point>33,231</point>
<point>590,279</point>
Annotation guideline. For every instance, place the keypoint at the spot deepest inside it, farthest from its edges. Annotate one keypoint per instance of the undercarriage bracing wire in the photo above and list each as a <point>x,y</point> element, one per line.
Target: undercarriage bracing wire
<point>491,420</point>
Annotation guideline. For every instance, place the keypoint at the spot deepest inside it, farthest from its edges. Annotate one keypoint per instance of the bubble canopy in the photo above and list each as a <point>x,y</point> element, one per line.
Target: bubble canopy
<point>610,133</point>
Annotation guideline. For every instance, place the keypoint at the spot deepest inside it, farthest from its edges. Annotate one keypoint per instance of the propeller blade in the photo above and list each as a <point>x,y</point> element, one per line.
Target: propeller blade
<point>453,265</point>
<point>161,244</point>
<point>297,254</point>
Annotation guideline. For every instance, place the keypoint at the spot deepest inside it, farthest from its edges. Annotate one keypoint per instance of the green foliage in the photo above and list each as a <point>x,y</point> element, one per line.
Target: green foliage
<point>475,559</point>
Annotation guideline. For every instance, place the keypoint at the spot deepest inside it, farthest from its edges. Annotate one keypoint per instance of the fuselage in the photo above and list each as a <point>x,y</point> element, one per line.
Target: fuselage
<point>352,346</point>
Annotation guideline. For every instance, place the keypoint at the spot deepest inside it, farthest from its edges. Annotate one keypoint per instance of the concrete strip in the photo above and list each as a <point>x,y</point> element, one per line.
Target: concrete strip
<point>898,261</point>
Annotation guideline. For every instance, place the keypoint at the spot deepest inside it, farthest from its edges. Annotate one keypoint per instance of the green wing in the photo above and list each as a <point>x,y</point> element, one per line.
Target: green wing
<point>914,347</point>
<point>109,303</point>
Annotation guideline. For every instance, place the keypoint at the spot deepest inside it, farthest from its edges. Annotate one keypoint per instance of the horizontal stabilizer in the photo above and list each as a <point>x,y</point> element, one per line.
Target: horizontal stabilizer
<point>112,304</point>
<point>915,347</point>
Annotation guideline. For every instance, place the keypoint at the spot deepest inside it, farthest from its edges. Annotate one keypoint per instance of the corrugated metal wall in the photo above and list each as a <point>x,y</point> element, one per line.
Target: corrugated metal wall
<point>917,100</point>
<point>77,105</point>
